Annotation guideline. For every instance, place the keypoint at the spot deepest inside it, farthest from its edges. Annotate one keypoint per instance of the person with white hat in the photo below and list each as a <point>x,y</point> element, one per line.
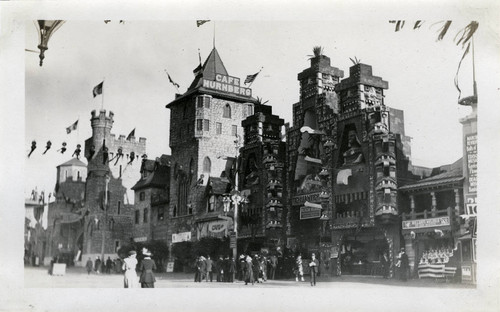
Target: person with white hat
<point>147,266</point>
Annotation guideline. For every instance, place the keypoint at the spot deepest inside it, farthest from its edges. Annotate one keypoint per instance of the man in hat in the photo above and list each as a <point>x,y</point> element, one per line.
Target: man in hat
<point>314,266</point>
<point>209,263</point>
<point>403,265</point>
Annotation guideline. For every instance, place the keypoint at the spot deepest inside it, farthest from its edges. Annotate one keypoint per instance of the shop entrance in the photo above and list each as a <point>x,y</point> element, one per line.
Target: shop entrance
<point>361,253</point>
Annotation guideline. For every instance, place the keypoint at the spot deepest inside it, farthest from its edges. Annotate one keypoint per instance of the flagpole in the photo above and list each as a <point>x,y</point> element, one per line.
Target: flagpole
<point>473,69</point>
<point>102,93</point>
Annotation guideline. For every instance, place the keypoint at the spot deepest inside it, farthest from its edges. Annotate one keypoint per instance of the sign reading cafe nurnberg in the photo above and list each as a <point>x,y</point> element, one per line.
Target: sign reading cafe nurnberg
<point>227,84</point>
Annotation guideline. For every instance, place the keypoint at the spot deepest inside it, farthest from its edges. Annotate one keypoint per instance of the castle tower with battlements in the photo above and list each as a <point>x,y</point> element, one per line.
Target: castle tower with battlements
<point>113,168</point>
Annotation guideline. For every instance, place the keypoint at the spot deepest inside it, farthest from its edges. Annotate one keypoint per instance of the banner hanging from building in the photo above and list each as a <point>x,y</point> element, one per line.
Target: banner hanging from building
<point>471,154</point>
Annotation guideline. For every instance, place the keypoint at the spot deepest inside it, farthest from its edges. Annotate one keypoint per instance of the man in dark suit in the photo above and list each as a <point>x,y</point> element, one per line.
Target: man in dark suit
<point>314,267</point>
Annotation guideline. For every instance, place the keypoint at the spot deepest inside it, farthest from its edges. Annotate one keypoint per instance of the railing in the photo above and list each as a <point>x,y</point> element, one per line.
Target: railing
<point>426,214</point>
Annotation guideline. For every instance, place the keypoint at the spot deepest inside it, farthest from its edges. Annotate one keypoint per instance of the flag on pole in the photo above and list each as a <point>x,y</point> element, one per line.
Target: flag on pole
<point>251,78</point>
<point>74,126</point>
<point>172,82</point>
<point>198,69</point>
<point>97,89</point>
<point>201,22</point>
<point>131,134</point>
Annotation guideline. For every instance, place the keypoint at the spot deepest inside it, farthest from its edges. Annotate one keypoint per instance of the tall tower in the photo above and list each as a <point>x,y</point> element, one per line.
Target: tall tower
<point>205,130</point>
<point>262,180</point>
<point>314,118</point>
<point>113,168</point>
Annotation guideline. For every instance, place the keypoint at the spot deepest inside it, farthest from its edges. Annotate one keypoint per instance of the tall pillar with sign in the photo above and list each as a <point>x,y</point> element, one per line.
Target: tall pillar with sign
<point>468,231</point>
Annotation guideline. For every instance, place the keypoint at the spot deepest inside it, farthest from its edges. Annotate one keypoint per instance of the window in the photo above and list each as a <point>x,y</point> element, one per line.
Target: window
<point>119,209</point>
<point>203,101</point>
<point>78,177</point>
<point>199,124</point>
<point>234,130</point>
<point>137,216</point>
<point>207,166</point>
<point>142,196</point>
<point>117,245</point>
<point>182,195</point>
<point>120,175</point>
<point>145,216</point>
<point>227,111</point>
<point>218,128</point>
<point>206,125</point>
<point>212,203</point>
<point>250,110</point>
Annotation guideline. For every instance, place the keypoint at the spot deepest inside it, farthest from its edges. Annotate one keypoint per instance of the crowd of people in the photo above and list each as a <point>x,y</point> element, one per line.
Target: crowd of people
<point>107,267</point>
<point>252,269</point>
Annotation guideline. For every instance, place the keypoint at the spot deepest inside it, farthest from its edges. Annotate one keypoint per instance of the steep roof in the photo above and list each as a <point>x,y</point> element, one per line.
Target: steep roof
<point>159,177</point>
<point>73,162</point>
<point>212,65</point>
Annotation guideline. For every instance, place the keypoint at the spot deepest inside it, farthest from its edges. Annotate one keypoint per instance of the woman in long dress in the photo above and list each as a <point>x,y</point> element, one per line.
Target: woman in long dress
<point>147,266</point>
<point>130,276</point>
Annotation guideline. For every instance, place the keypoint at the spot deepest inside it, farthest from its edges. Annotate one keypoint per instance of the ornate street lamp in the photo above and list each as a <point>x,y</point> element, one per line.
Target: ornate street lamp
<point>45,29</point>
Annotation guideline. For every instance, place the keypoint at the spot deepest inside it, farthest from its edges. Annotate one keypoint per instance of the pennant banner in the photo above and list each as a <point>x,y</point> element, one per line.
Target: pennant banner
<point>74,126</point>
<point>98,89</point>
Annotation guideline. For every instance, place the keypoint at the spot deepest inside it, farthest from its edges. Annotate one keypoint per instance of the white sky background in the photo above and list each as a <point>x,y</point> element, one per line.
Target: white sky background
<point>39,103</point>
<point>132,58</point>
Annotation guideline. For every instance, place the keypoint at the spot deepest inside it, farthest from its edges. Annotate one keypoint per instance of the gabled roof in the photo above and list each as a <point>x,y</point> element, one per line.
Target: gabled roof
<point>159,177</point>
<point>73,162</point>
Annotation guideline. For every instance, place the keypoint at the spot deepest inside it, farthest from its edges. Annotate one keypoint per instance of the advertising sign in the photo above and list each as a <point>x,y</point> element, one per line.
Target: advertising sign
<point>470,205</point>
<point>217,226</point>
<point>170,267</point>
<point>309,213</point>
<point>466,273</point>
<point>181,237</point>
<point>426,223</point>
<point>227,84</point>
<point>471,154</point>
<point>300,200</point>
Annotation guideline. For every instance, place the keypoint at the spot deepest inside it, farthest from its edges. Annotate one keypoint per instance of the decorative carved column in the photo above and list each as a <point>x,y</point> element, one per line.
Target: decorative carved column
<point>412,206</point>
<point>457,202</point>
<point>433,205</point>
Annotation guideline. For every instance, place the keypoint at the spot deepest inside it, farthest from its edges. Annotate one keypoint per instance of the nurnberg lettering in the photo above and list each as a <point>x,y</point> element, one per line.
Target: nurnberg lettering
<point>215,85</point>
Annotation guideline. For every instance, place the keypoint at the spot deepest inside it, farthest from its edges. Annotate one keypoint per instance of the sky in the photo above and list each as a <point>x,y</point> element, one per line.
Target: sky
<point>133,57</point>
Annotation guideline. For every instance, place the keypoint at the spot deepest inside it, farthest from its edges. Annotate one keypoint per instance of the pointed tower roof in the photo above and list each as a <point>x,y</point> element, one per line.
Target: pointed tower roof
<point>213,64</point>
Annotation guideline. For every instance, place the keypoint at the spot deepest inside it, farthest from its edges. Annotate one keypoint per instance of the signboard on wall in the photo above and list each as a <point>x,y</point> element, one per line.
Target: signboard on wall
<point>301,199</point>
<point>426,223</point>
<point>170,267</point>
<point>466,273</point>
<point>227,84</point>
<point>470,204</point>
<point>471,155</point>
<point>181,237</point>
<point>309,213</point>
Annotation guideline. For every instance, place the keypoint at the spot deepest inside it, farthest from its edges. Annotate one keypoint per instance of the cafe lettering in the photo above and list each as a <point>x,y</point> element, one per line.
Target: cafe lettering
<point>227,84</point>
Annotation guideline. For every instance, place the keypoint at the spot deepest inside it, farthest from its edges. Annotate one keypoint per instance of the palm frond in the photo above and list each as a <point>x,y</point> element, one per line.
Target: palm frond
<point>444,30</point>
<point>466,33</point>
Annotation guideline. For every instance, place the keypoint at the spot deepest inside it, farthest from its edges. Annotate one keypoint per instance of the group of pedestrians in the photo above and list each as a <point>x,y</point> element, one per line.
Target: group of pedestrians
<point>224,269</point>
<point>108,267</point>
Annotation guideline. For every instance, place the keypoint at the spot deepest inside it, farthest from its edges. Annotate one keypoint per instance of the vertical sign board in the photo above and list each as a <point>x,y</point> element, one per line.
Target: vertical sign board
<point>170,267</point>
<point>471,154</point>
<point>466,273</point>
<point>232,241</point>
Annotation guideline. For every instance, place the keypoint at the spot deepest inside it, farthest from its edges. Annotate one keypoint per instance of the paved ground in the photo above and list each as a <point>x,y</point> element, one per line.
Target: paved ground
<point>37,277</point>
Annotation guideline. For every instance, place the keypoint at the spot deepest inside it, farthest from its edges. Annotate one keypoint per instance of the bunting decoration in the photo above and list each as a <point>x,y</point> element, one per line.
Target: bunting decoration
<point>132,157</point>
<point>77,151</point>
<point>33,147</point>
<point>47,147</point>
<point>63,148</point>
